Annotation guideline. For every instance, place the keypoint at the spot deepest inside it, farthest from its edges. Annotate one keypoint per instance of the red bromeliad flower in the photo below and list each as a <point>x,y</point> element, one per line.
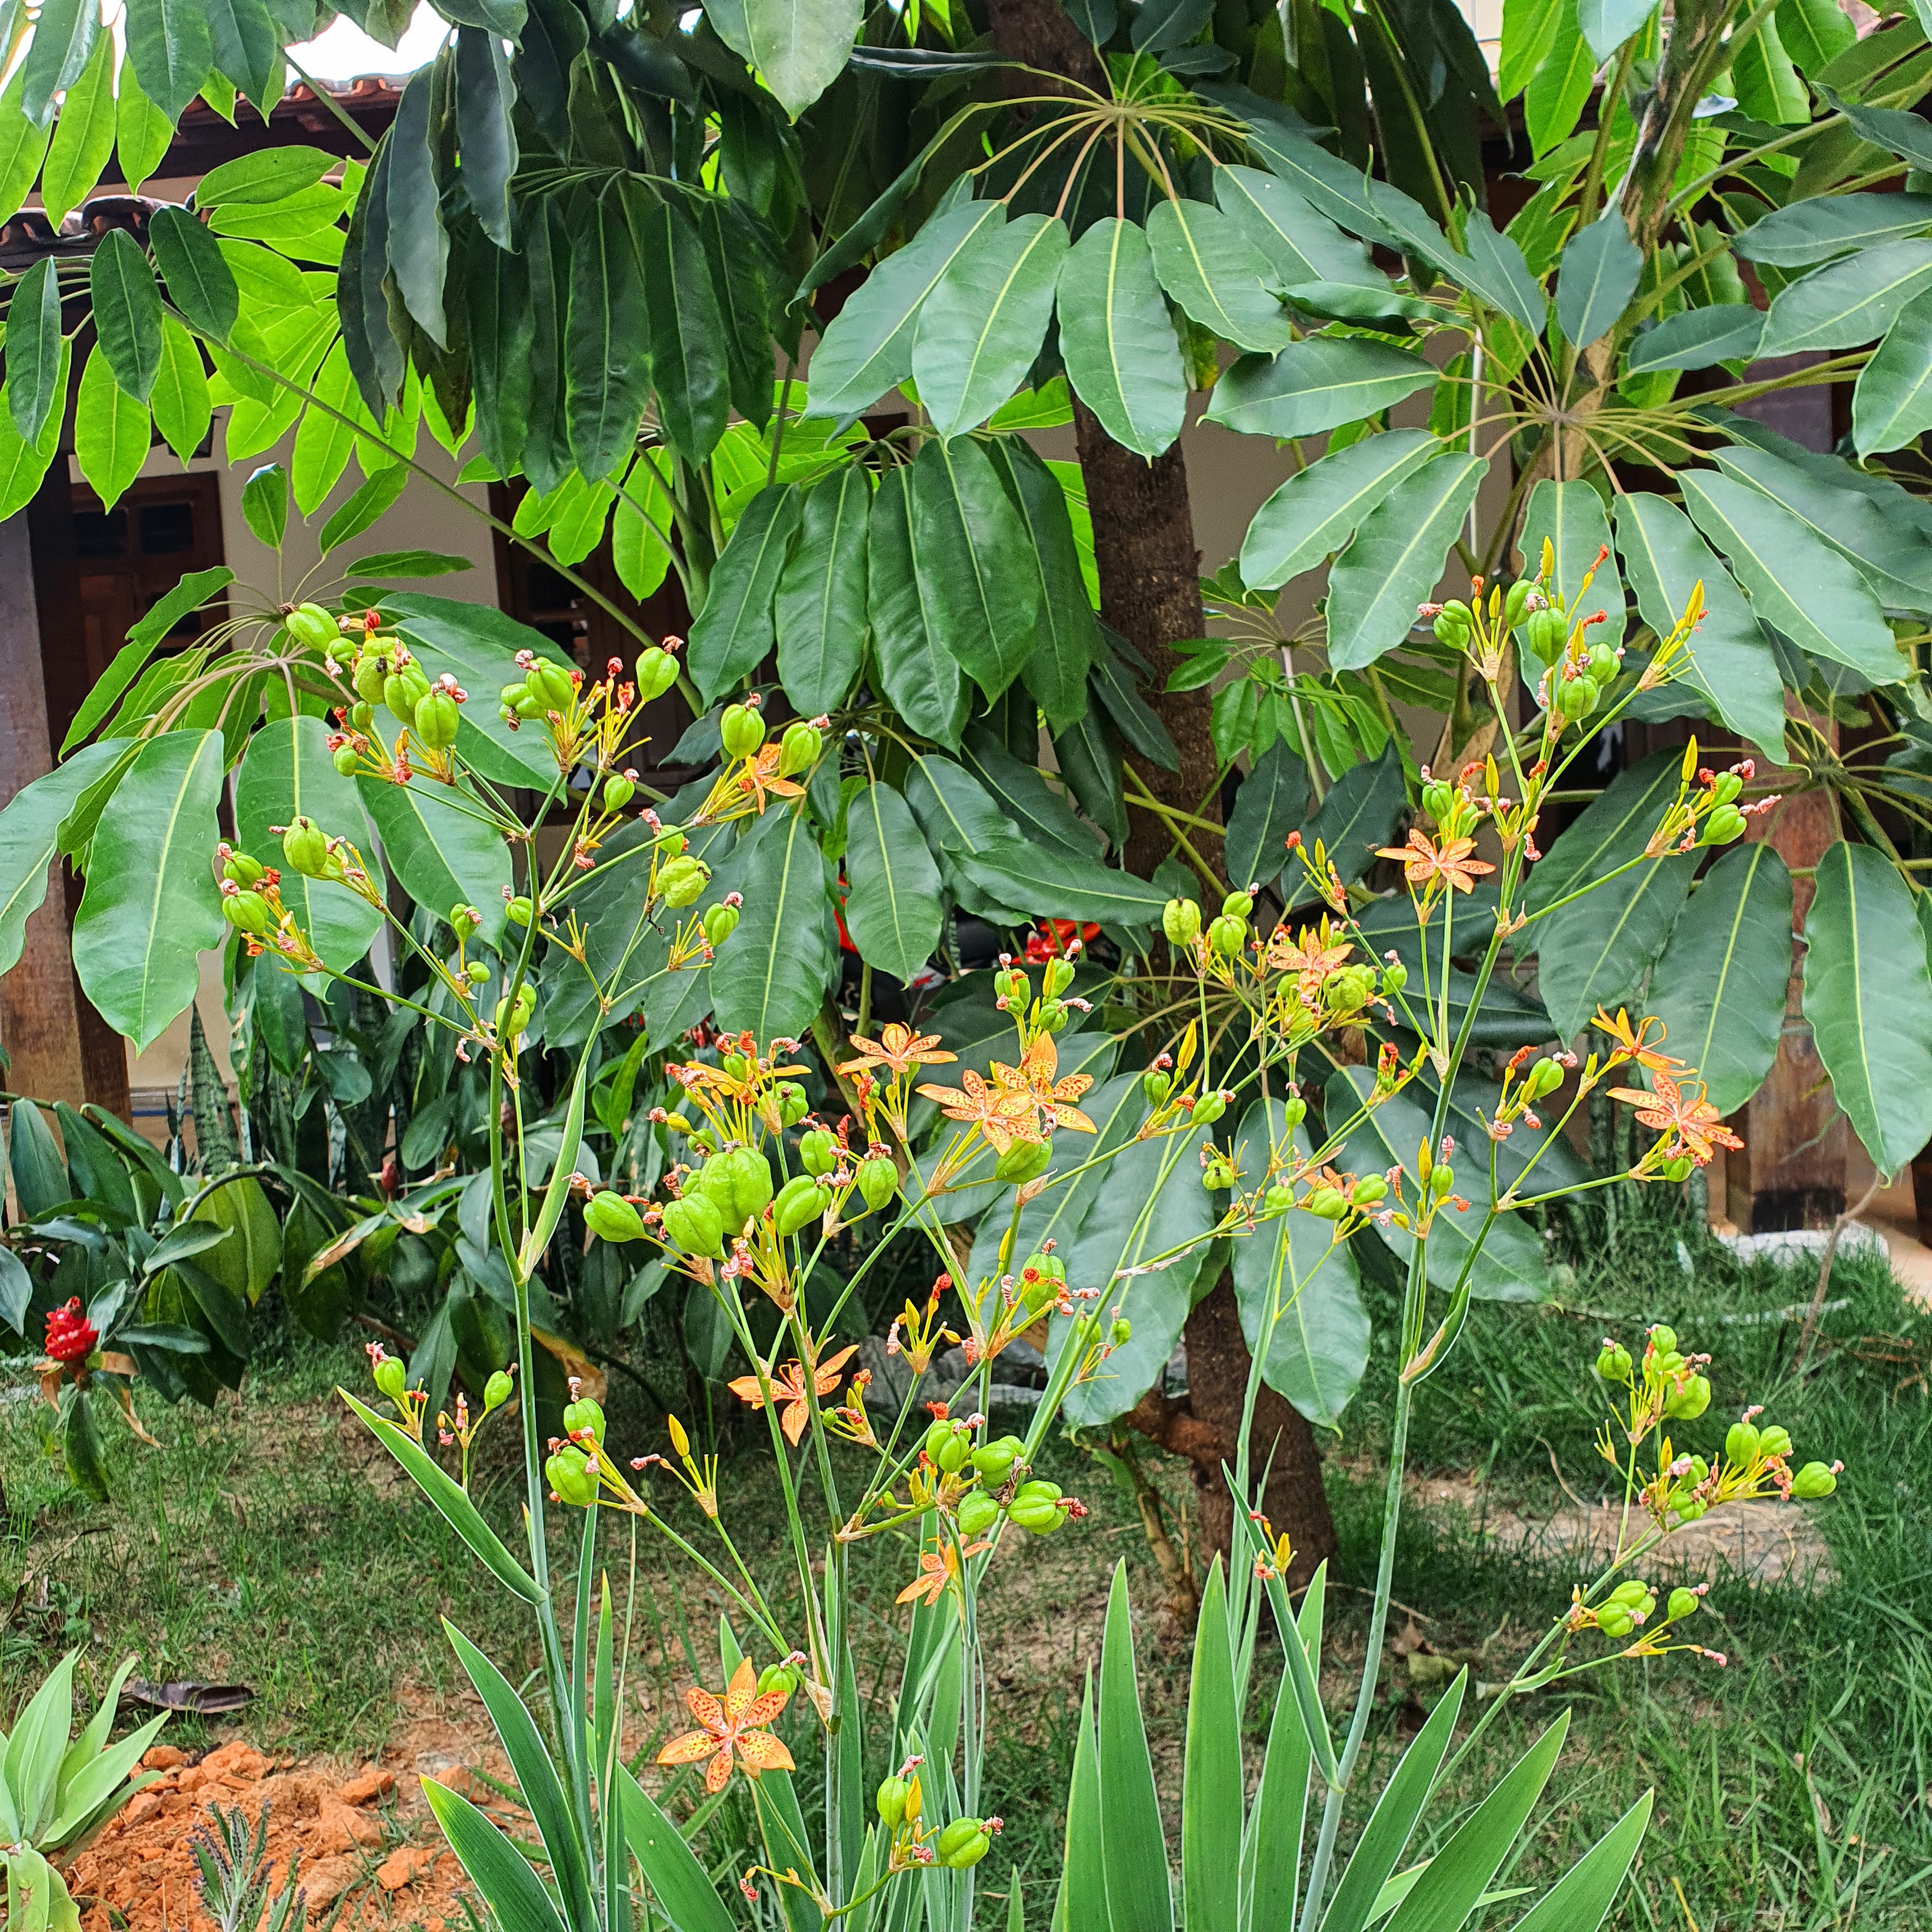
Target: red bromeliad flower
<point>71,1336</point>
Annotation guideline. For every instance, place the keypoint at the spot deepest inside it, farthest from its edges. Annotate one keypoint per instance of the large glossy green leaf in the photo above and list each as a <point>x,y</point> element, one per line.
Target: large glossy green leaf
<point>1067,641</point>
<point>1561,87</point>
<point>1894,560</point>
<point>1892,405</point>
<point>1580,1901</point>
<point>1397,559</point>
<point>607,364</point>
<point>1598,277</point>
<point>83,136</point>
<point>247,50</point>
<point>23,464</point>
<point>1316,511</point>
<point>486,92</point>
<point>65,32</point>
<point>511,1890</point>
<point>23,145</point>
<point>1510,1266</point>
<point>1356,817</point>
<point>1595,949</point>
<point>1051,883</point>
<point>689,367</point>
<point>1607,24</point>
<point>1334,187</point>
<point>1139,1893</point>
<point>1216,275</point>
<point>169,43</point>
<point>1795,580</point>
<point>30,839</point>
<point>819,613</point>
<point>967,540</point>
<point>441,855</point>
<point>1849,302</point>
<point>1315,385</point>
<point>1820,228</point>
<point>868,349</point>
<point>287,771</point>
<point>126,312</point>
<point>1301,244</point>
<point>1394,1820</point>
<point>1697,338</point>
<point>200,282</point>
<point>33,349</point>
<point>1729,659</point>
<point>1297,1287</point>
<point>1212,1785</point>
<point>1720,984</point>
<point>798,47</point>
<point>1151,1203</point>
<point>980,331</point>
<point>771,973</point>
<point>1570,516</point>
<point>734,632</point>
<point>182,406</point>
<point>150,906</point>
<point>1456,1877</point>
<point>1868,1000</point>
<point>418,243</point>
<point>1272,802</point>
<point>892,908</point>
<point>1494,269</point>
<point>922,676</point>
<point>1117,337</point>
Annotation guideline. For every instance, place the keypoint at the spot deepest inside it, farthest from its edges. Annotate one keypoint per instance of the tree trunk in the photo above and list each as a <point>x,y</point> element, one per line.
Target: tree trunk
<point>1150,575</point>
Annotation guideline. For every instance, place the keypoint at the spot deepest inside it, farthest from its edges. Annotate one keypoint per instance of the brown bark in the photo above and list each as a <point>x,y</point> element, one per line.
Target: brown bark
<point>1149,575</point>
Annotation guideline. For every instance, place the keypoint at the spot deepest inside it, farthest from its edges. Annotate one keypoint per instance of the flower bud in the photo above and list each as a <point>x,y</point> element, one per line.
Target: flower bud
<point>392,1377</point>
<point>584,1415</point>
<point>799,749</point>
<point>1180,920</point>
<point>657,672</point>
<point>682,881</point>
<point>611,1218</point>
<point>1814,1480</point>
<point>741,730</point>
<point>817,1152</point>
<point>495,1390</point>
<point>310,624</point>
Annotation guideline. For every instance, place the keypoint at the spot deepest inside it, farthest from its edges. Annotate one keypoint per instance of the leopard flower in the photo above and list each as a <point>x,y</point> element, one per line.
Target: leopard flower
<point>1634,1042</point>
<point>937,1568</point>
<point>1425,863</point>
<point>1033,1085</point>
<point>733,1723</point>
<point>1682,1110</point>
<point>1002,1115</point>
<point>787,1386</point>
<point>899,1048</point>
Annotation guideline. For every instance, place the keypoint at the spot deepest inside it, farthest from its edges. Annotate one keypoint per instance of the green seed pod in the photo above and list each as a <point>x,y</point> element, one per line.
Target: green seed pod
<point>477,972</point>
<point>496,1391</point>
<point>1437,799</point>
<point>1687,1403</point>
<point>247,912</point>
<point>1227,936</point>
<point>362,716</point>
<point>1441,1179</point>
<point>739,1183</point>
<point>513,695</point>
<point>583,1414</point>
<point>243,870</point>
<point>1328,1204</point>
<point>611,1218</point>
<point>937,1435</point>
<point>573,1476</point>
<point>1575,698</point>
<point>694,1226</point>
<point>1742,1445</point>
<point>344,760</point>
<point>1614,1620</point>
<point>370,669</point>
<point>1515,601</point>
<point>1395,977</point>
<point>436,717</point>
<point>551,684</point>
<point>1156,1086</point>
<point>1023,1161</point>
<point>1279,1199</point>
<point>977,1513</point>
<point>1682,1603</point>
<point>1774,1441</point>
<point>402,691</point>
<point>1295,1110</point>
<point>995,1461</point>
<point>891,1801</point>
<point>792,1104</point>
<point>517,910</point>
<point>970,1850</point>
<point>1725,824</point>
<point>1725,787</point>
<point>1218,1173</point>
<point>1546,632</point>
<point>618,793</point>
<point>657,672</point>
<point>1368,1190</point>
<point>777,1677</point>
<point>720,922</point>
<point>1663,1340</point>
<point>681,883</point>
<point>741,731</point>
<point>801,1201</point>
<point>878,1180</point>
<point>1038,1518</point>
<point>1039,1490</point>
<point>392,1377</point>
<point>817,1152</point>
<point>799,749</point>
<point>1448,631</point>
<point>1814,1480</point>
<point>1603,664</point>
<point>305,848</point>
<point>953,1451</point>
<point>311,624</point>
<point>1209,1109</point>
<point>1613,1362</point>
<point>1122,1331</point>
<point>1180,920</point>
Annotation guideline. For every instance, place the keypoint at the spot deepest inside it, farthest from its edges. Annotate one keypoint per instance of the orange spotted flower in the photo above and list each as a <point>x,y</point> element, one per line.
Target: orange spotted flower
<point>735,1722</point>
<point>761,776</point>
<point>937,1569</point>
<point>1424,863</point>
<point>1033,1085</point>
<point>1634,1042</point>
<point>788,1387</point>
<point>1683,1110</point>
<point>896,1047</point>
<point>1310,957</point>
<point>1002,1116</point>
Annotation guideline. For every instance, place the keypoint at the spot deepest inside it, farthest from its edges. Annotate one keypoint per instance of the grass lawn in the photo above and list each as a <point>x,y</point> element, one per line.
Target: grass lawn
<point>270,1543</point>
